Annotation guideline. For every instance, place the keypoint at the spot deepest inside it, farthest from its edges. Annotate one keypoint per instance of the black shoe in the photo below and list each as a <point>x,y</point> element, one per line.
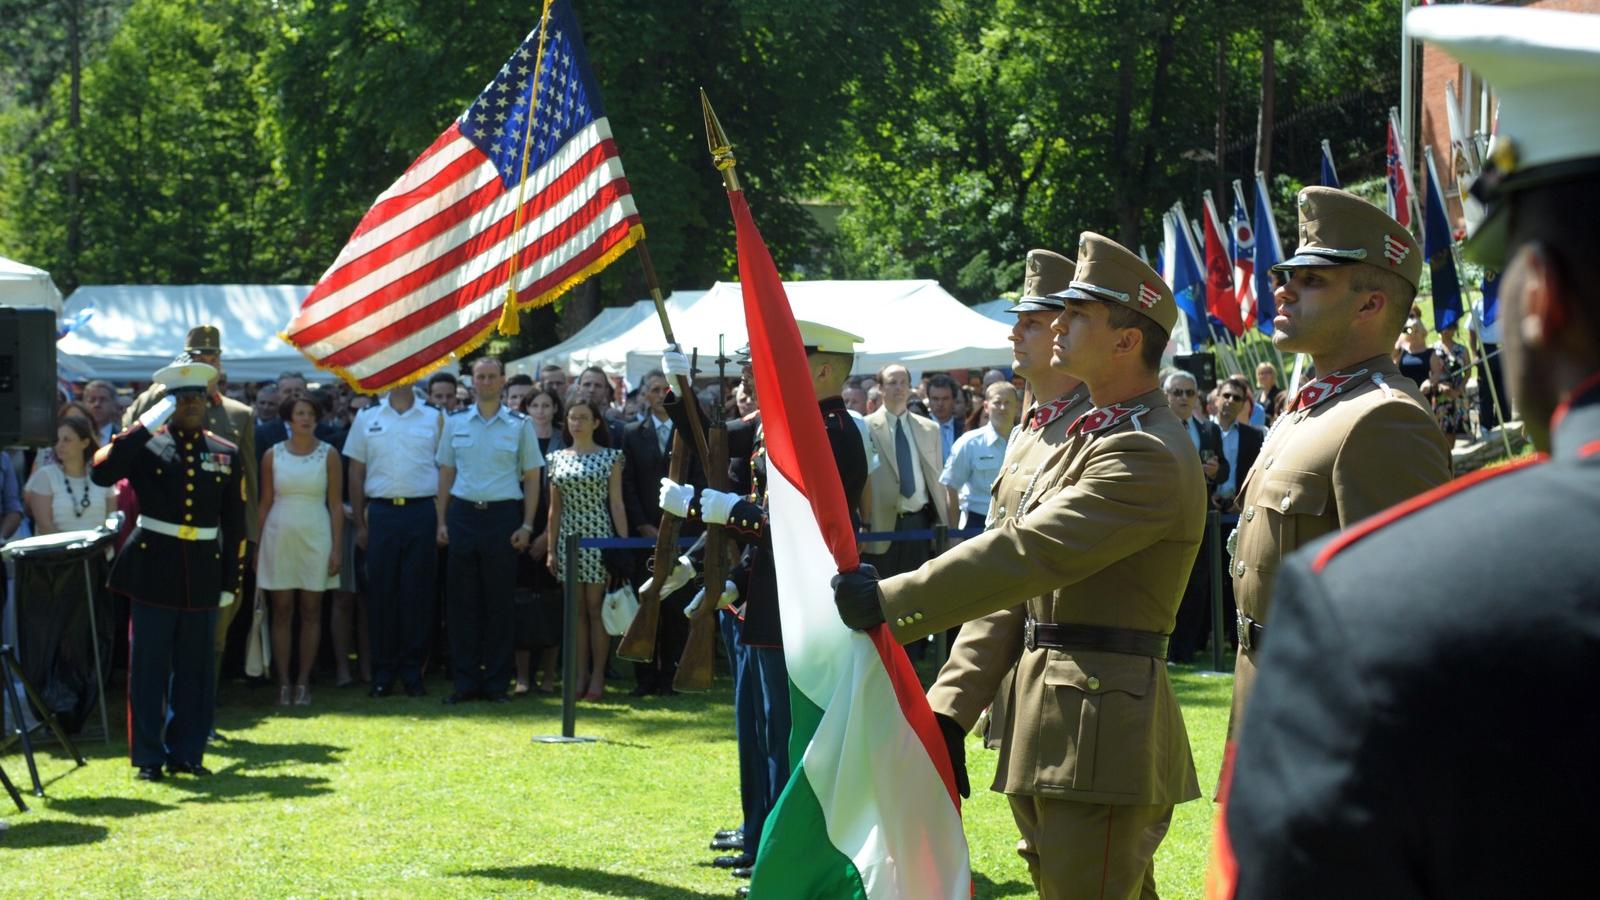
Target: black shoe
<point>641,691</point>
<point>459,697</point>
<point>182,768</point>
<point>743,860</point>
<point>149,773</point>
<point>742,890</point>
<point>214,736</point>
<point>379,691</point>
<point>498,698</point>
<point>742,872</point>
<point>416,690</point>
<point>730,832</point>
<point>736,842</point>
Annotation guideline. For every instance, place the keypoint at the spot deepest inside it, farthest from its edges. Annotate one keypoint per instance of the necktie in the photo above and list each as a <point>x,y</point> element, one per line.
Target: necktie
<point>664,435</point>
<point>902,459</point>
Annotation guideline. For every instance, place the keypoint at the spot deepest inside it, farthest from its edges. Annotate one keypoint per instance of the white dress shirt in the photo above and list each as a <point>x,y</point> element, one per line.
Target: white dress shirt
<point>919,497</point>
<point>397,449</point>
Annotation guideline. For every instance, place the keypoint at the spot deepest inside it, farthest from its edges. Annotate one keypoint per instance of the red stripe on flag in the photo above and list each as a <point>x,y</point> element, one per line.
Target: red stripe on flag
<point>798,446</point>
<point>483,242</point>
<point>442,347</point>
<point>470,204</point>
<point>389,207</point>
<point>385,208</point>
<point>429,271</point>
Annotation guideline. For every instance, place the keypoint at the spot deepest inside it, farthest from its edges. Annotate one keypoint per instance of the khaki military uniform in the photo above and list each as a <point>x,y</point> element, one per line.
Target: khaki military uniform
<point>1355,443</point>
<point>1093,749</point>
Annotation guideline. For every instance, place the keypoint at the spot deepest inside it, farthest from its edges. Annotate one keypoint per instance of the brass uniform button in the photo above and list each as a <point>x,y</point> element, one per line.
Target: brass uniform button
<point>1285,504</point>
<point>188,517</point>
<point>188,501</point>
<point>1249,513</point>
<point>1267,464</point>
<point>1238,568</point>
<point>190,473</point>
<point>917,617</point>
<point>1093,683</point>
<point>189,486</point>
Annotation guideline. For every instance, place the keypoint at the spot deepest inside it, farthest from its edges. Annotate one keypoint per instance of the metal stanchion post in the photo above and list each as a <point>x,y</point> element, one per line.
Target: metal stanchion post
<point>1213,551</point>
<point>941,641</point>
<point>569,653</point>
<point>94,641</point>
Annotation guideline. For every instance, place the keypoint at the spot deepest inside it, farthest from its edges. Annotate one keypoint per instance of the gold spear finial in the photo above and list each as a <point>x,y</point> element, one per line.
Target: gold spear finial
<point>719,145</point>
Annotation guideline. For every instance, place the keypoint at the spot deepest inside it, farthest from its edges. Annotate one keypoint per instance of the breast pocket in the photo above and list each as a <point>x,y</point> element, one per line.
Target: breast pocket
<point>1093,722</point>
<point>504,447</point>
<point>1294,508</point>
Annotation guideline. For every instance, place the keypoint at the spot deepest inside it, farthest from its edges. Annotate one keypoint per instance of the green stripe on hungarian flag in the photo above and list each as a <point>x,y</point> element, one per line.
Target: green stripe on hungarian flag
<point>871,808</point>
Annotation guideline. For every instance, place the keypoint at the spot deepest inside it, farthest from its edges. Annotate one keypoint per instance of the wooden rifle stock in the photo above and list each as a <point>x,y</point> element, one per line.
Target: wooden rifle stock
<point>639,642</point>
<point>699,652</point>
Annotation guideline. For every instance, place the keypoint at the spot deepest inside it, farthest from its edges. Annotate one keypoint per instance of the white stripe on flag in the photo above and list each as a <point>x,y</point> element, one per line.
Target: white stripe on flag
<point>885,804</point>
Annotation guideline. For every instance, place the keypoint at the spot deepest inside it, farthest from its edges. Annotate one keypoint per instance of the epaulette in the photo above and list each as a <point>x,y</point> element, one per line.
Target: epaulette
<point>1374,523</point>
<point>226,444</point>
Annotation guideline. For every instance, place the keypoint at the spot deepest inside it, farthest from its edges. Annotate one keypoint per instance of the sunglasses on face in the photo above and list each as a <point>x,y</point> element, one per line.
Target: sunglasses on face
<point>1181,392</point>
<point>1233,398</point>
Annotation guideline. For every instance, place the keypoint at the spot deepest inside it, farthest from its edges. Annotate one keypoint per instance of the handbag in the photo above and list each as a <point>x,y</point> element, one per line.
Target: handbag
<point>258,645</point>
<point>618,609</point>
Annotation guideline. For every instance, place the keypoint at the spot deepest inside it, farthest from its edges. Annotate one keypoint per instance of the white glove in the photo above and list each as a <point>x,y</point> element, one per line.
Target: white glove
<point>674,363</point>
<point>157,415</point>
<point>676,498</point>
<point>716,505</point>
<point>682,573</point>
<point>227,600</point>
<point>730,596</point>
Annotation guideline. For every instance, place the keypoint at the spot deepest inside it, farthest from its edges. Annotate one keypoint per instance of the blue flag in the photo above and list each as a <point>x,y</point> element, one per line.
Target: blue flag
<point>1268,253</point>
<point>1437,243</point>
<point>1181,268</point>
<point>1330,178</point>
<point>1491,298</point>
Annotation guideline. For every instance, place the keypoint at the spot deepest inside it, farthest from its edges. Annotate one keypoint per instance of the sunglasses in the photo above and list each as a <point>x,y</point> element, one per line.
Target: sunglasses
<point>1181,392</point>
<point>1232,398</point>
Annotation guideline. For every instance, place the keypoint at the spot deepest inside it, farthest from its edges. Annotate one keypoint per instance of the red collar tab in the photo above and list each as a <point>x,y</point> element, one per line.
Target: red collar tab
<point>1097,420</point>
<point>1578,393</point>
<point>1042,416</point>
<point>1321,389</point>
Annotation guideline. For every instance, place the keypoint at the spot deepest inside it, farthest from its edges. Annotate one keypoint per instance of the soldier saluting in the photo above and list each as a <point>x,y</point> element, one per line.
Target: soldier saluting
<point>179,565</point>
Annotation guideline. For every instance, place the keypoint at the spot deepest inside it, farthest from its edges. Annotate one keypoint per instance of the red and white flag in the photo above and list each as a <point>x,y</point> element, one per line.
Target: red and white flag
<point>1221,301</point>
<point>426,273</point>
<point>1399,173</point>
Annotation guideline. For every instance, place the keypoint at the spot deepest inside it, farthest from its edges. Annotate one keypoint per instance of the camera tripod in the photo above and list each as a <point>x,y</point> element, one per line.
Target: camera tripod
<point>11,674</point>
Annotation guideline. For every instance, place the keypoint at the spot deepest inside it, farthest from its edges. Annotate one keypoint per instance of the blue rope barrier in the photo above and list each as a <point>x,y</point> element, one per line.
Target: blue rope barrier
<point>643,543</point>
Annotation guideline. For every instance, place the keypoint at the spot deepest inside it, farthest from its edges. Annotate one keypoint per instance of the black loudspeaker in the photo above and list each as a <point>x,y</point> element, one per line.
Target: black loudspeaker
<point>28,395</point>
<point>1203,366</point>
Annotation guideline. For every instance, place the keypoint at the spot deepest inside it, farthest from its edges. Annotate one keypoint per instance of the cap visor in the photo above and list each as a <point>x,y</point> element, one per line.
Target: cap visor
<point>1037,304</point>
<point>1073,293</point>
<point>1303,260</point>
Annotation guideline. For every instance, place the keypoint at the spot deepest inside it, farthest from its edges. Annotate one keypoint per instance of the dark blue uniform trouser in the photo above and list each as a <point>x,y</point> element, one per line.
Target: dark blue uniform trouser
<point>480,578</point>
<point>772,728</point>
<point>401,566</point>
<point>752,767</point>
<point>171,686</point>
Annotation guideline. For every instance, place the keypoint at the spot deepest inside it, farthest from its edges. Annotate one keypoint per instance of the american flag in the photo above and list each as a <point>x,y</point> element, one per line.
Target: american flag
<point>425,274</point>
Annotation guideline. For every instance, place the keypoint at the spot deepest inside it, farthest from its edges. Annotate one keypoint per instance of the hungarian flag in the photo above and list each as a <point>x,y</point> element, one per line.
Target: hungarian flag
<point>871,808</point>
<point>1221,302</point>
<point>525,187</point>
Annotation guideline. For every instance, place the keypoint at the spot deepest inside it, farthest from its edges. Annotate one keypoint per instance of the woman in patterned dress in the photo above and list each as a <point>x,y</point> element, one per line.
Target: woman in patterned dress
<point>586,500</point>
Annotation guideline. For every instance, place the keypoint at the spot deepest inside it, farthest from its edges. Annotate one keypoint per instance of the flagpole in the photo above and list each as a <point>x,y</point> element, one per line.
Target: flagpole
<point>691,406</point>
<point>509,323</point>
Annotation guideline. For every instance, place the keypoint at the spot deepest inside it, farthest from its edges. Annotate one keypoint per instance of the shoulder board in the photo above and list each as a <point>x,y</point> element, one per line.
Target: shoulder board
<point>457,412</point>
<point>1350,536</point>
<point>226,444</point>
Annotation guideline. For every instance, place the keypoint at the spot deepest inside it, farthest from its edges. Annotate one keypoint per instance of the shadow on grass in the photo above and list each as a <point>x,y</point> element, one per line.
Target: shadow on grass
<point>233,785</point>
<point>610,884</point>
<point>106,807</point>
<point>255,755</point>
<point>986,887</point>
<point>28,835</point>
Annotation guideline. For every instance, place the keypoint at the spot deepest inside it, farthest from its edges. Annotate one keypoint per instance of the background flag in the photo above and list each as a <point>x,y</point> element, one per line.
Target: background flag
<point>1491,298</point>
<point>1269,252</point>
<point>1398,188</point>
<point>1242,247</point>
<point>426,272</point>
<point>1221,301</point>
<point>1181,269</point>
<point>871,808</point>
<point>1330,177</point>
<point>1438,242</point>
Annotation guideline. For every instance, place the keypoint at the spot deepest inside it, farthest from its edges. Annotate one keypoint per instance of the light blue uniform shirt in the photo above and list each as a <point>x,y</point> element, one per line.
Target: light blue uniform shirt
<point>973,466</point>
<point>489,455</point>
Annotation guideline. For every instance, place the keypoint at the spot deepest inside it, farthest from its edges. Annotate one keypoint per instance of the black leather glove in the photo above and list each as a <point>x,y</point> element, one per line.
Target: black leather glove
<point>856,596</point>
<point>955,740</point>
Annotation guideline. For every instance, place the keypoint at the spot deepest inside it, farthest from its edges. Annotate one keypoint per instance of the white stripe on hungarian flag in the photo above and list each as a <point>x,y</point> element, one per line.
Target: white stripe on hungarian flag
<point>425,274</point>
<point>871,808</point>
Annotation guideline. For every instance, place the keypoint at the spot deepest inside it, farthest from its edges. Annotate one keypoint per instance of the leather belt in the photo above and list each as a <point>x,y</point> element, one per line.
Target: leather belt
<point>483,504</point>
<point>1055,636</point>
<point>400,501</point>
<point>1249,632</point>
<point>181,532</point>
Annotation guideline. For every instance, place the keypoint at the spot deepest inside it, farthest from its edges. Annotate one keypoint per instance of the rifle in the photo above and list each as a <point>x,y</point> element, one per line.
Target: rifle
<point>699,652</point>
<point>639,641</point>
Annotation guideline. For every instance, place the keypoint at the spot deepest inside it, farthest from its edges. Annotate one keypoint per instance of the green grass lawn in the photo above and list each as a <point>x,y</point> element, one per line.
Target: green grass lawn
<point>407,798</point>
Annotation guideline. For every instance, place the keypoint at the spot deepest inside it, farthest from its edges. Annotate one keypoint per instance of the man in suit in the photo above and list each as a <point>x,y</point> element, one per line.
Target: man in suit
<point>1182,392</point>
<point>1449,752</point>
<point>594,384</point>
<point>1358,439</point>
<point>941,393</point>
<point>1241,443</point>
<point>905,490</point>
<point>647,450</point>
<point>1094,754</point>
<point>183,560</point>
<point>234,422</point>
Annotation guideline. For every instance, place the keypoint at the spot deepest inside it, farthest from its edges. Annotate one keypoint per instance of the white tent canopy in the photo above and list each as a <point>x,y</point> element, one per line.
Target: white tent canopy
<point>136,329</point>
<point>915,323</point>
<point>23,285</point>
<point>595,344</point>
<point>996,310</point>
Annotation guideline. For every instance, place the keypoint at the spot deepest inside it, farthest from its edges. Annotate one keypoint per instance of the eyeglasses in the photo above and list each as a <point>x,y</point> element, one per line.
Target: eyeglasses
<point>1181,392</point>
<point>1232,398</point>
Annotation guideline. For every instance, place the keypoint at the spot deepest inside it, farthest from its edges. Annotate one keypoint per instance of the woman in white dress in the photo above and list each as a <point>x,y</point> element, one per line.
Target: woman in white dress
<point>302,522</point>
<point>61,497</point>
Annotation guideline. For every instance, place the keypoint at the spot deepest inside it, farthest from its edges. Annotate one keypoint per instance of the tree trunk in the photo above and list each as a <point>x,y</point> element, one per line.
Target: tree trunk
<point>578,308</point>
<point>1269,74</point>
<point>74,10</point>
<point>1220,188</point>
<point>1128,209</point>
